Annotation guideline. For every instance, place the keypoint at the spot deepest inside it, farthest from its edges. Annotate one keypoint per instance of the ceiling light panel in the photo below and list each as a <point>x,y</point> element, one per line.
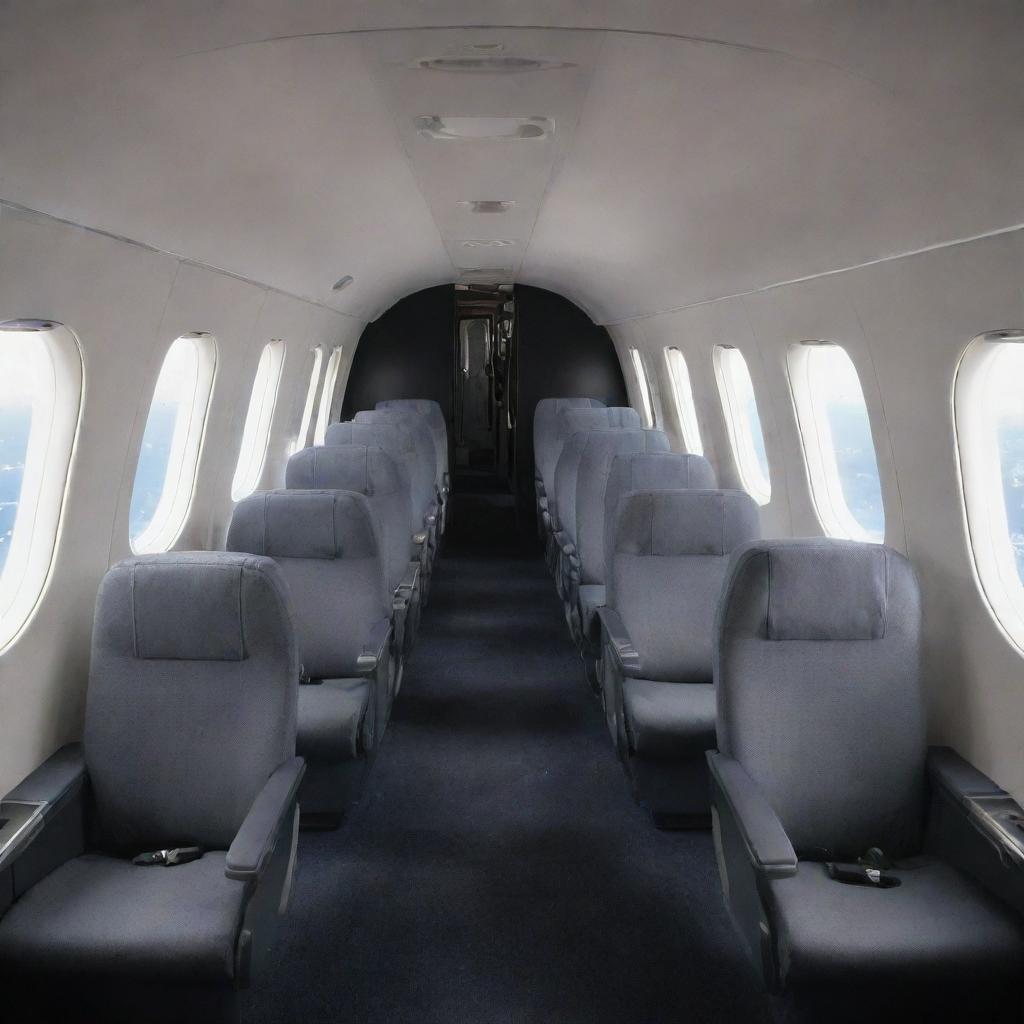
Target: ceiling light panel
<point>488,64</point>
<point>484,129</point>
<point>487,205</point>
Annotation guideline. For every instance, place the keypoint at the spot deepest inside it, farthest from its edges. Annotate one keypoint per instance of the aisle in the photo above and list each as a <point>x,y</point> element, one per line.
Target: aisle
<point>497,870</point>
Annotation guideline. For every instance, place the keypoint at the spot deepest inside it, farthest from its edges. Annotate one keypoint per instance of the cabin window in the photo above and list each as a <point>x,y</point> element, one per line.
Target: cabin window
<point>40,397</point>
<point>989,412</point>
<point>307,410</point>
<point>644,386</point>
<point>323,414</point>
<point>838,448</point>
<point>166,471</point>
<point>252,455</point>
<point>682,393</point>
<point>743,422</point>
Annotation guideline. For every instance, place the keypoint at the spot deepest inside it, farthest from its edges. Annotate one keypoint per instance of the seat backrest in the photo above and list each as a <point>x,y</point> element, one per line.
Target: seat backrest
<point>546,443</point>
<point>192,699</point>
<point>562,498</point>
<point>669,559</point>
<point>651,471</point>
<point>438,425</point>
<point>819,691</point>
<point>397,442</point>
<point>425,481</point>
<point>369,471</point>
<point>329,550</point>
<point>598,453</point>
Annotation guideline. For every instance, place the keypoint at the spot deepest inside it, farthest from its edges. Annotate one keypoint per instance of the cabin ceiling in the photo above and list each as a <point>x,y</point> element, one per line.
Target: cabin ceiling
<point>699,150</point>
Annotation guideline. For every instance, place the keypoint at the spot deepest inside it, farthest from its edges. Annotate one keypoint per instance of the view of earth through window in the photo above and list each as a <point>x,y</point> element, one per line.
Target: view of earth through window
<point>1004,393</point>
<point>26,391</point>
<point>839,400</point>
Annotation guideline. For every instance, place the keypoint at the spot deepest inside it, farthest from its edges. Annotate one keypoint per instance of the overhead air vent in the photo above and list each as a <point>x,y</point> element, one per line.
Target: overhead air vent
<point>487,243</point>
<point>342,282</point>
<point>488,205</point>
<point>480,129</point>
<point>489,64</point>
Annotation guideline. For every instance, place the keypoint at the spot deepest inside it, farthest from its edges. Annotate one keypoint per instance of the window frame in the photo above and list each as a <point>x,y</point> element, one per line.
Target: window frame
<point>327,390</point>
<point>302,440</point>
<point>259,420</point>
<point>757,482</point>
<point>981,485</point>
<point>173,507</point>
<point>819,450</point>
<point>643,383</point>
<point>682,396</point>
<point>49,456</point>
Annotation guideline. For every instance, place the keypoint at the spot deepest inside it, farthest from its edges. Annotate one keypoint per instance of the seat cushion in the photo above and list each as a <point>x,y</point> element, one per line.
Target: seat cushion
<point>936,920</point>
<point>669,720</point>
<point>99,915</point>
<point>333,720</point>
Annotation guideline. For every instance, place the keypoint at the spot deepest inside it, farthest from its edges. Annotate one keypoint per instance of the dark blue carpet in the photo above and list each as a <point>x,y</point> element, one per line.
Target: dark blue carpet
<point>497,870</point>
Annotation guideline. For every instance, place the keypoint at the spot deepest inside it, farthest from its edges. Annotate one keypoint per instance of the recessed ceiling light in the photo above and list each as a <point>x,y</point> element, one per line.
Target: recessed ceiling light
<point>342,282</point>
<point>485,271</point>
<point>488,64</point>
<point>478,129</point>
<point>484,243</point>
<point>488,205</point>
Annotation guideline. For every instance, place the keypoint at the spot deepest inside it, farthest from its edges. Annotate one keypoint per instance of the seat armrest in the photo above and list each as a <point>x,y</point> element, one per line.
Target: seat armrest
<point>374,649</point>
<point>627,657</point>
<point>985,806</point>
<point>49,795</point>
<point>408,582</point>
<point>767,845</point>
<point>251,848</point>
<point>57,779</point>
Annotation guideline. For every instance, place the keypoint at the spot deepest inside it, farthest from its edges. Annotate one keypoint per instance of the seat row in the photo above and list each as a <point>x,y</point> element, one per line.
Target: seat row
<point>225,690</point>
<point>774,688</point>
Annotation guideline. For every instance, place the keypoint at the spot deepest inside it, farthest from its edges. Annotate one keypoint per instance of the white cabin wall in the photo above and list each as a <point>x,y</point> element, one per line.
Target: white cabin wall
<point>126,304</point>
<point>905,323</point>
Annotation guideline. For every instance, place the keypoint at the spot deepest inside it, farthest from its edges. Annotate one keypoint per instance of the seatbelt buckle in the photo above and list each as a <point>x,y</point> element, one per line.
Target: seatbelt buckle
<point>169,858</point>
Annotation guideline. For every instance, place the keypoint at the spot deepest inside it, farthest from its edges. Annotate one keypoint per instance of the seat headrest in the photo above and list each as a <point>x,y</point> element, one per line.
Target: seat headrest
<point>553,406</point>
<point>362,468</point>
<point>190,605</point>
<point>826,589</point>
<point>685,523</point>
<point>389,436</point>
<point>651,471</point>
<point>418,405</point>
<point>573,421</point>
<point>304,524</point>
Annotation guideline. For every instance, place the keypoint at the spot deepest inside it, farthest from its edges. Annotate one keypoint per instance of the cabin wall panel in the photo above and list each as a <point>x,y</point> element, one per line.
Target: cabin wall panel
<point>905,323</point>
<point>126,304</point>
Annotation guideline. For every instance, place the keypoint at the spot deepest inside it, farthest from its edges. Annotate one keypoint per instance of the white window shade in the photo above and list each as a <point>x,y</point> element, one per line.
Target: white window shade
<point>308,408</point>
<point>682,394</point>
<point>252,455</point>
<point>643,386</point>
<point>323,416</point>
<point>165,473</point>
<point>743,422</point>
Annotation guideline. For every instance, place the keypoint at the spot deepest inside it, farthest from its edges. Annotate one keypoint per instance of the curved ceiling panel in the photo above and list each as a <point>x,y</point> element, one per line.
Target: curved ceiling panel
<point>683,152</point>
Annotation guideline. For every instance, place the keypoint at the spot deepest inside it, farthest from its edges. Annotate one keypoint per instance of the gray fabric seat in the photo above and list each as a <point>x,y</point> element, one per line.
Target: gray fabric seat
<point>435,417</point>
<point>547,445</point>
<point>384,482</point>
<point>668,557</point>
<point>397,441</point>
<point>583,544</point>
<point>329,551</point>
<point>560,516</point>
<point>189,739</point>
<point>821,736</point>
<point>634,471</point>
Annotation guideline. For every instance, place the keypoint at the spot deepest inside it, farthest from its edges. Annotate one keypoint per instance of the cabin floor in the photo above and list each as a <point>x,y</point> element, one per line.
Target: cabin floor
<point>497,868</point>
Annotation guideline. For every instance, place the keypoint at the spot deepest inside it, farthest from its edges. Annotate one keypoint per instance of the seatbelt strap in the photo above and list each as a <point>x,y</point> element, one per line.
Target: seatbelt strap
<point>169,858</point>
